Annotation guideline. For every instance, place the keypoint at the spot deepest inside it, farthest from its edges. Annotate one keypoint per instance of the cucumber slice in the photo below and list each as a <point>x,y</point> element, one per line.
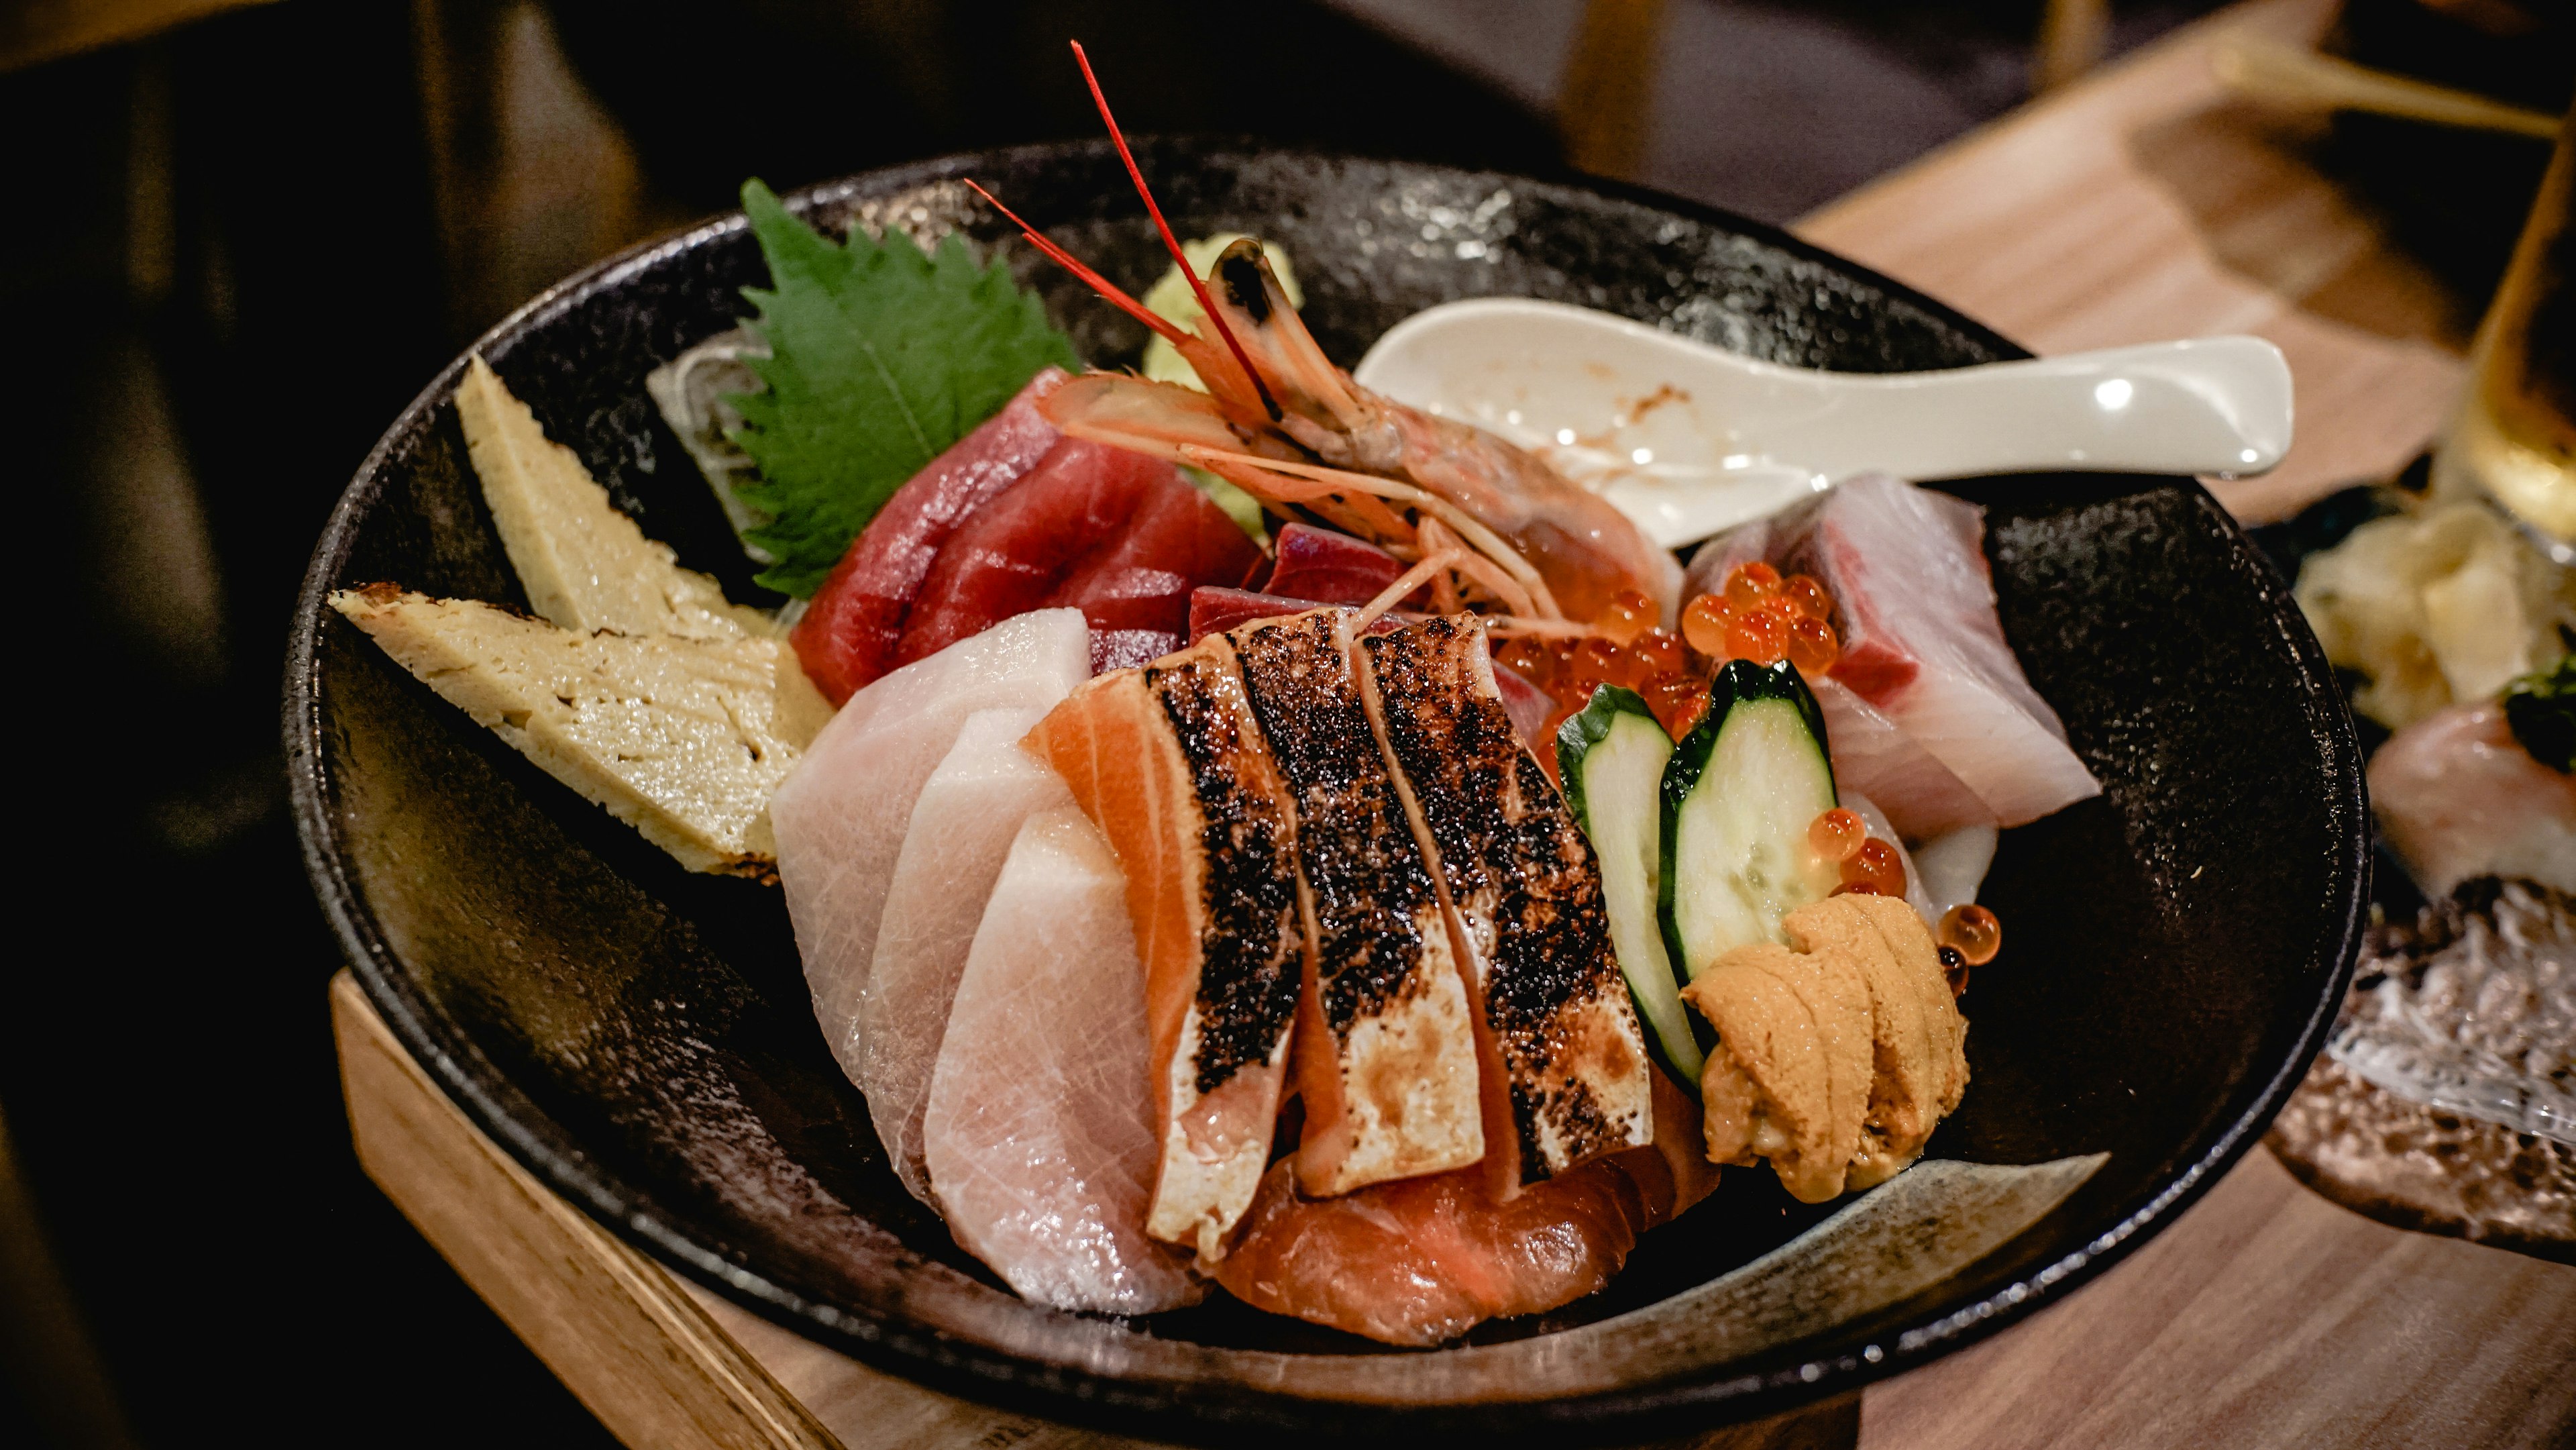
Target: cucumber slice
<point>1611,757</point>
<point>1738,796</point>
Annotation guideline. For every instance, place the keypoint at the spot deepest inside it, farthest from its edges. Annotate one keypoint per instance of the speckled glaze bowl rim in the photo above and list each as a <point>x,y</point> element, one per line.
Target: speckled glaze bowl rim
<point>1153,1407</point>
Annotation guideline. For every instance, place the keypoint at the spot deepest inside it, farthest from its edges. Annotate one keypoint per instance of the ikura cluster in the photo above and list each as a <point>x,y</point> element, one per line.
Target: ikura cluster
<point>1759,616</point>
<point>1969,935</point>
<point>1625,648</point>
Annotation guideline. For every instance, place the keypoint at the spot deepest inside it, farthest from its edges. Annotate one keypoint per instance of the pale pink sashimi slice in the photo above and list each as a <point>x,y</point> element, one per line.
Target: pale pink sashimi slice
<point>850,628</point>
<point>2458,797</point>
<point>1914,607</point>
<point>1871,755</point>
<point>840,817</point>
<point>962,827</point>
<point>1039,1128</point>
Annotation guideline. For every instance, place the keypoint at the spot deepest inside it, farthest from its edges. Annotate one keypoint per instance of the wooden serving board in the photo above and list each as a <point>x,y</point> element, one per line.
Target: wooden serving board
<point>2137,205</point>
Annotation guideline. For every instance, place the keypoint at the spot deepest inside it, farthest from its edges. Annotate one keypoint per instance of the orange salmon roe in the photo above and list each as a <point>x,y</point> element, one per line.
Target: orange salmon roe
<point>1812,646</point>
<point>1759,636</point>
<point>1627,613</point>
<point>1836,834</point>
<point>1750,584</point>
<point>1531,658</point>
<point>1678,700</point>
<point>1972,932</point>
<point>1600,661</point>
<point>1876,866</point>
<point>1809,596</point>
<point>1656,652</point>
<point>1705,623</point>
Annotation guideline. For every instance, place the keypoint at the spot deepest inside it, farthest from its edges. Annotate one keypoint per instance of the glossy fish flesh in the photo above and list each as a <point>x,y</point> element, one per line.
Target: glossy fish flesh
<point>849,631</point>
<point>1038,1135</point>
<point>1385,1052</point>
<point>1565,1058</point>
<point>1922,644</point>
<point>840,818</point>
<point>1171,765</point>
<point>963,824</point>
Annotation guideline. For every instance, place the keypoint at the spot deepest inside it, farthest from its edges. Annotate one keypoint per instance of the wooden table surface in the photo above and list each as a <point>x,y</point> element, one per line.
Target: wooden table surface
<point>2137,205</point>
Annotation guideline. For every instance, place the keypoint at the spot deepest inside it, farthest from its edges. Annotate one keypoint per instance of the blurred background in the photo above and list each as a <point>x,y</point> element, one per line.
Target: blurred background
<point>241,235</point>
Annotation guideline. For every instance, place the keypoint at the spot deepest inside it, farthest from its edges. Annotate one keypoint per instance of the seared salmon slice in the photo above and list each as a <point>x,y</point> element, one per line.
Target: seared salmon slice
<point>1169,763</point>
<point>1564,1053</point>
<point>1386,1053</point>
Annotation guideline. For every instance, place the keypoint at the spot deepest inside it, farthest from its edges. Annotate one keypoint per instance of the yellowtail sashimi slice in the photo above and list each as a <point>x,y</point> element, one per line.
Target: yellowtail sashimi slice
<point>962,828</point>
<point>1039,1129</point>
<point>841,817</point>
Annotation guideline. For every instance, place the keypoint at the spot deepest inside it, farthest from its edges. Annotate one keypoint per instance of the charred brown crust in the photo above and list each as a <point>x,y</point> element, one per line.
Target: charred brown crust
<point>1518,868</point>
<point>1252,946</point>
<point>1370,886</point>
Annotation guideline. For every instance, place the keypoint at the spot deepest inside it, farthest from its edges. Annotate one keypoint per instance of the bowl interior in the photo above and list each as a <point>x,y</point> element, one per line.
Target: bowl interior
<point>643,1039</point>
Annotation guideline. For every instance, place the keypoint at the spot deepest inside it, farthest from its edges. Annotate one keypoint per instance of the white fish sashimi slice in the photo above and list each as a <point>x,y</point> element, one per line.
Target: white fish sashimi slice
<point>1040,1130</point>
<point>840,818</point>
<point>1953,866</point>
<point>1920,795</point>
<point>1922,642</point>
<point>1916,895</point>
<point>968,814</point>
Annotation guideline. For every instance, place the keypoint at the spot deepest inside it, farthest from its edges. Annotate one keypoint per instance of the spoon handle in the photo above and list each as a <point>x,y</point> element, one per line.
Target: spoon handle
<point>2217,405</point>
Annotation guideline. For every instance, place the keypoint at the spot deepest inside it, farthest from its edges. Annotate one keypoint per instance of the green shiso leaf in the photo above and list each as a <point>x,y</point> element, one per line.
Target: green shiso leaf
<point>880,357</point>
<point>2541,708</point>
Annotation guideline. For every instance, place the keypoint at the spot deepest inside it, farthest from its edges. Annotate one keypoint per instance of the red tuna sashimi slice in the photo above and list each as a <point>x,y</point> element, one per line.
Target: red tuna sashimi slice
<point>1329,568</point>
<point>1214,609</point>
<point>852,625</point>
<point>1117,535</point>
<point>1914,606</point>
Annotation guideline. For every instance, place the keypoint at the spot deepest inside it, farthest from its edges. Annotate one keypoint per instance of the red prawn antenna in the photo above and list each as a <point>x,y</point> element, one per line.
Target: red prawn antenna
<point>1172,244</point>
<point>1170,330</point>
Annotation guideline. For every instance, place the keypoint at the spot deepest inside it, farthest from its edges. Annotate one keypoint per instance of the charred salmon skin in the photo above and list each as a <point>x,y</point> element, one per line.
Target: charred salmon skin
<point>1385,1047</point>
<point>1169,763</point>
<point>1564,1053</point>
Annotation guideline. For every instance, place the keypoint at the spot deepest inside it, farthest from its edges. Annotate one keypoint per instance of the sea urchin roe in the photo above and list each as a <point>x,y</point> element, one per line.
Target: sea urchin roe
<point>1973,932</point>
<point>1750,583</point>
<point>1758,635</point>
<point>1837,834</point>
<point>1704,624</point>
<point>1627,612</point>
<point>1877,866</point>
<point>1812,646</point>
<point>1808,596</point>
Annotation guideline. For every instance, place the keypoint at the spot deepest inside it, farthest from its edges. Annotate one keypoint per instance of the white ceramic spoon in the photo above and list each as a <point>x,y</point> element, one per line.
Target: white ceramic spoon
<point>1688,439</point>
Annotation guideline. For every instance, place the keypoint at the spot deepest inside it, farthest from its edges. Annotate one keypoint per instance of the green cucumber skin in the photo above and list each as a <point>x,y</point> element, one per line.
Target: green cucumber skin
<point>1575,740</point>
<point>1737,682</point>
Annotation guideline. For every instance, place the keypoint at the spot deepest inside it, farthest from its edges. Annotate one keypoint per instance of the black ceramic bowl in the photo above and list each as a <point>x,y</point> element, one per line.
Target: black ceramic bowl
<point>641,1037</point>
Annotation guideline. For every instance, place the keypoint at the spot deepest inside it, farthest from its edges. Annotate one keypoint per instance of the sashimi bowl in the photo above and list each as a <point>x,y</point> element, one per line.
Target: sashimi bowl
<point>642,1039</point>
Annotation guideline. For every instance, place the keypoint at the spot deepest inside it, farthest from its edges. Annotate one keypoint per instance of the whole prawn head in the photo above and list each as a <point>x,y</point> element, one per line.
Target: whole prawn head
<point>1280,421</point>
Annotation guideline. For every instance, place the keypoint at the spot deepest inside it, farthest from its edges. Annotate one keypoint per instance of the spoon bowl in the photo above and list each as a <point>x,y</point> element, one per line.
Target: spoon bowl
<point>1689,439</point>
